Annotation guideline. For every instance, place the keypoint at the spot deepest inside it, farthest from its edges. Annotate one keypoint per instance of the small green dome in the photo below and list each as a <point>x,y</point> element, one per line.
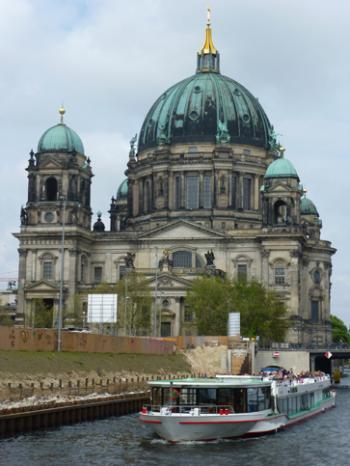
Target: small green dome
<point>60,138</point>
<point>123,190</point>
<point>307,207</point>
<point>281,168</point>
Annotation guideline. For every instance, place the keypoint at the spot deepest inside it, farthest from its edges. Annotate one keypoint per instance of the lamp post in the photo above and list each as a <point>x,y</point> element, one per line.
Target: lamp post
<point>126,297</point>
<point>60,304</point>
<point>155,332</point>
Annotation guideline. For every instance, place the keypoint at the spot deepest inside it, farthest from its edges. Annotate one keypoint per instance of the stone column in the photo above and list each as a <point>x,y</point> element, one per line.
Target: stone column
<point>171,191</point>
<point>265,254</point>
<point>256,192</point>
<point>200,203</point>
<point>294,281</point>
<point>240,192</point>
<point>178,309</point>
<point>183,188</point>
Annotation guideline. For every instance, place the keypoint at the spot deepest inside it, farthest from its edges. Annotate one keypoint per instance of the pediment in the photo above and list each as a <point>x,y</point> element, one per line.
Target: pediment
<point>42,286</point>
<point>181,229</point>
<point>167,280</point>
<point>280,188</point>
<point>49,164</point>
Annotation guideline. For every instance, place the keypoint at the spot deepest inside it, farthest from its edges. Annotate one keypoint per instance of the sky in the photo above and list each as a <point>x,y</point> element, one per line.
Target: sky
<point>108,61</point>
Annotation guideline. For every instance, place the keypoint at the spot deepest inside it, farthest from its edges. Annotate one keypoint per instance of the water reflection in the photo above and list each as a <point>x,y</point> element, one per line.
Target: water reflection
<point>322,440</point>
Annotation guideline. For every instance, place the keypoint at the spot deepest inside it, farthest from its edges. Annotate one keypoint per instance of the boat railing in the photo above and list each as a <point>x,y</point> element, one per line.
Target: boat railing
<point>194,410</point>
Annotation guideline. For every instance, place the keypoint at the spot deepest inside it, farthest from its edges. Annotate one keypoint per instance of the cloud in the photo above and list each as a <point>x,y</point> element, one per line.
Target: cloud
<point>108,60</point>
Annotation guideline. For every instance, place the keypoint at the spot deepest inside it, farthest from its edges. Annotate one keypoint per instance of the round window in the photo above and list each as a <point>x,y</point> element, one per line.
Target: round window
<point>49,217</point>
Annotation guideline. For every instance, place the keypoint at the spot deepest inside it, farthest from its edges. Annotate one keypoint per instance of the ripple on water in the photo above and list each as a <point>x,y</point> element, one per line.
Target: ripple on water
<point>320,441</point>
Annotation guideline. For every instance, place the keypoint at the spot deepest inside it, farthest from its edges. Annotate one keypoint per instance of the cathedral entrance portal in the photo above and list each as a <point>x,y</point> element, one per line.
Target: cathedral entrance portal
<point>165,329</point>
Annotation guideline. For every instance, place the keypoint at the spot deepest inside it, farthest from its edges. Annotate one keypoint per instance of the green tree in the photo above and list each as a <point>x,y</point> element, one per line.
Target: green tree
<point>262,313</point>
<point>42,314</point>
<point>134,303</point>
<point>73,315</point>
<point>340,332</point>
<point>5,318</point>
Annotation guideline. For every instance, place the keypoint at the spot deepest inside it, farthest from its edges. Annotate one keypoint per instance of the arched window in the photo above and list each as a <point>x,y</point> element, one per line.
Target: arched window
<point>317,277</point>
<point>51,189</point>
<point>247,190</point>
<point>222,184</point>
<point>315,310</point>
<point>280,275</point>
<point>234,191</point>
<point>147,197</point>
<point>83,269</point>
<point>242,272</point>
<point>160,187</point>
<point>182,259</point>
<point>207,192</point>
<point>280,213</point>
<point>192,192</point>
<point>178,193</point>
<point>47,267</point>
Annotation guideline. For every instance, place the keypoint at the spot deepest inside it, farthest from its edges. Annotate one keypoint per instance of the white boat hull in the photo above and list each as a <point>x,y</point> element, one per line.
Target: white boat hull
<point>185,427</point>
<point>280,421</point>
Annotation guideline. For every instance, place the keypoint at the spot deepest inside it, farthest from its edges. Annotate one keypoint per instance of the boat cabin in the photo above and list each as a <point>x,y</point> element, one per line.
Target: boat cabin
<point>239,396</point>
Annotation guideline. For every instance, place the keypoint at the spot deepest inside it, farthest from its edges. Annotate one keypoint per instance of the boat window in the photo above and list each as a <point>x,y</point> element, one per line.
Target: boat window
<point>264,398</point>
<point>188,396</point>
<point>156,396</point>
<point>304,402</point>
<point>282,405</point>
<point>240,400</point>
<point>225,396</point>
<point>292,405</point>
<point>206,396</point>
<point>252,396</point>
<point>171,396</point>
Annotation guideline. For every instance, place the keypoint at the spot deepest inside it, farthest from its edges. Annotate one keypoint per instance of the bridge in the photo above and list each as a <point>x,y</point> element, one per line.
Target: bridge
<point>321,357</point>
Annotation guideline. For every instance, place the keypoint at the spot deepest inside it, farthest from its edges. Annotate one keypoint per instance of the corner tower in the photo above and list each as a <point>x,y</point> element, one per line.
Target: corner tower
<point>56,217</point>
<point>58,172</point>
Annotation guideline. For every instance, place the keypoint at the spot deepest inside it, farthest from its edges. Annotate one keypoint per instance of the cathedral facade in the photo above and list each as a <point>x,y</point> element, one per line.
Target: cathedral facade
<point>208,191</point>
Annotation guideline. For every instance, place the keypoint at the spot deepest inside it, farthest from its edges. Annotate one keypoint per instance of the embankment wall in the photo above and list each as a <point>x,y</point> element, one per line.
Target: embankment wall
<point>27,339</point>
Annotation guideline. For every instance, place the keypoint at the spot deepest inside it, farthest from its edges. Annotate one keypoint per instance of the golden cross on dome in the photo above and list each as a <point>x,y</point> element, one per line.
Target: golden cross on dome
<point>208,17</point>
<point>208,46</point>
<point>62,111</point>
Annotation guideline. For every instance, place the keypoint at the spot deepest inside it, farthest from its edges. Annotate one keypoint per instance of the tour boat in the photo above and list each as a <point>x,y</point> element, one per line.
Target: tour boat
<point>221,407</point>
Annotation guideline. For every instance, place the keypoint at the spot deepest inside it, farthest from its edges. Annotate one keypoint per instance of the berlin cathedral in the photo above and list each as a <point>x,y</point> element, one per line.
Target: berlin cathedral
<point>208,191</point>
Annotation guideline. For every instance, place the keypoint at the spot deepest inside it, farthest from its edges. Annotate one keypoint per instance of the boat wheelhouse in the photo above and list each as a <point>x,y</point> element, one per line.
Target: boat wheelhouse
<point>232,406</point>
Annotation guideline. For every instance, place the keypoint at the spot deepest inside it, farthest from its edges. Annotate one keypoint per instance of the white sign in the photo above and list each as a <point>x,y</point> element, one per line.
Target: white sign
<point>234,324</point>
<point>102,308</point>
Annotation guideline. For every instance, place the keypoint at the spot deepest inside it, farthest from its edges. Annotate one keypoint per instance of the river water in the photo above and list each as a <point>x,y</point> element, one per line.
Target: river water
<point>322,440</point>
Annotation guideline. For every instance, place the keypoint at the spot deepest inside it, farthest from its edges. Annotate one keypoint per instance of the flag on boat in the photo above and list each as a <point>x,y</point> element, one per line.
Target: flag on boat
<point>327,354</point>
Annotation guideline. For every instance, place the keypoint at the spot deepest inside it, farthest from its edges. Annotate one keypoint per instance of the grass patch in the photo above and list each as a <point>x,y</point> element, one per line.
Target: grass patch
<point>38,363</point>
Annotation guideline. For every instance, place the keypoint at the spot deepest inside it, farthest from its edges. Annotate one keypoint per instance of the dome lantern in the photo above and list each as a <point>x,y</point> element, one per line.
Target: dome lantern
<point>208,59</point>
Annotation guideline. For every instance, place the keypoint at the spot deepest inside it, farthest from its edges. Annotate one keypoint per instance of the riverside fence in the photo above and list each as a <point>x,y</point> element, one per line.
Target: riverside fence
<point>13,392</point>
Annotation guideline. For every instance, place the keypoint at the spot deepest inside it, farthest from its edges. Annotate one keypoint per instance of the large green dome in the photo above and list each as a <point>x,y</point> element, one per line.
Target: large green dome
<point>281,168</point>
<point>207,107</point>
<point>60,138</point>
